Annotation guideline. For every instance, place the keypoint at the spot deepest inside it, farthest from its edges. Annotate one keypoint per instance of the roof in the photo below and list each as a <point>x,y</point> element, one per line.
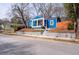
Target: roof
<point>38,17</point>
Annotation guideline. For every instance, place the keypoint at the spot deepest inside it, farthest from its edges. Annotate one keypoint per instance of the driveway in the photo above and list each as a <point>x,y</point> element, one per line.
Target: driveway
<point>17,45</point>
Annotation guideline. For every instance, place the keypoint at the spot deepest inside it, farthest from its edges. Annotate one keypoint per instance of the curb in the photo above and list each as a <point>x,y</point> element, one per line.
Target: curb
<point>55,39</point>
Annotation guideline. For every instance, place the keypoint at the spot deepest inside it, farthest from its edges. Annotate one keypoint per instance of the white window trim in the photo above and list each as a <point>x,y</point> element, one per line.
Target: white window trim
<point>37,23</point>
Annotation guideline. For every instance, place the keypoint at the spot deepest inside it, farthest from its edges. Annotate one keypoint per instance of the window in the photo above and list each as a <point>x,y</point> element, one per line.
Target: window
<point>40,22</point>
<point>34,23</point>
<point>51,22</point>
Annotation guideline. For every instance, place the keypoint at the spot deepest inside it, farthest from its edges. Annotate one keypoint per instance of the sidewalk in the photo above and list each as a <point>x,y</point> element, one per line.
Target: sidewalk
<point>46,37</point>
<point>52,38</point>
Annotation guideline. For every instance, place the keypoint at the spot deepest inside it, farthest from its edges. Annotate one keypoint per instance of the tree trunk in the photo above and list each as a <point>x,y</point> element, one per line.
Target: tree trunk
<point>24,22</point>
<point>23,19</point>
<point>22,15</point>
<point>76,19</point>
<point>76,28</point>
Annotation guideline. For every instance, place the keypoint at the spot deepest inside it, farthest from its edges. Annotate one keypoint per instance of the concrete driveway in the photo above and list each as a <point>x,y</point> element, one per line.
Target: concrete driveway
<point>17,45</point>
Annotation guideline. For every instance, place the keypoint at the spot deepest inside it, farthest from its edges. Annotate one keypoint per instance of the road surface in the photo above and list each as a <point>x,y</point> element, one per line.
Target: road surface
<point>17,45</point>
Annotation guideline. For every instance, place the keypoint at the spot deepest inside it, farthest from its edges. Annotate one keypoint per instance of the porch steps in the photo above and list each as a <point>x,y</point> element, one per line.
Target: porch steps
<point>45,32</point>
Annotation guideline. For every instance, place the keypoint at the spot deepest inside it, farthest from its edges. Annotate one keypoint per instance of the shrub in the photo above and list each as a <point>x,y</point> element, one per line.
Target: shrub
<point>70,26</point>
<point>42,31</point>
<point>43,27</point>
<point>15,27</point>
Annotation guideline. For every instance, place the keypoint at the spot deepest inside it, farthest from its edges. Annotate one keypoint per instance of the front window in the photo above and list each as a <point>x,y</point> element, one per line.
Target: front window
<point>52,22</point>
<point>34,23</point>
<point>40,22</point>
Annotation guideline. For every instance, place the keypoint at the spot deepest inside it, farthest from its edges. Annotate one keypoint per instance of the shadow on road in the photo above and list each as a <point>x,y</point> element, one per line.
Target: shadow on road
<point>15,49</point>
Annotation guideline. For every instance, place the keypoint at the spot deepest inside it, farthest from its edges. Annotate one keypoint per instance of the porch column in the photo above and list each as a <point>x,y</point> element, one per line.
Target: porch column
<point>37,22</point>
<point>32,23</point>
<point>43,21</point>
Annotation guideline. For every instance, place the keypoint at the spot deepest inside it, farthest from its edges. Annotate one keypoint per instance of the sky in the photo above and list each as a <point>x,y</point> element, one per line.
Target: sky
<point>4,9</point>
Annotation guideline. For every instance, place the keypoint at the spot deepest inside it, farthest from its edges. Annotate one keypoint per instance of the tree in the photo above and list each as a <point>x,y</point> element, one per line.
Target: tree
<point>59,11</point>
<point>46,9</point>
<point>15,23</point>
<point>20,11</point>
<point>14,19</point>
<point>5,23</point>
<point>43,9</point>
<point>73,12</point>
<point>36,7</point>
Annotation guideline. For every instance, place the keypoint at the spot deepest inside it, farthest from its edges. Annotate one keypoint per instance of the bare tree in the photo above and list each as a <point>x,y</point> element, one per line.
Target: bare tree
<point>59,11</point>
<point>43,9</point>
<point>20,11</point>
<point>46,9</point>
<point>36,8</point>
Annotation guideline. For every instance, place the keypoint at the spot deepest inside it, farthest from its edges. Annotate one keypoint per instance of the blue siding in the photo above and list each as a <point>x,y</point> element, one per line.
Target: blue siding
<point>47,22</point>
<point>34,23</point>
<point>30,23</point>
<point>49,25</point>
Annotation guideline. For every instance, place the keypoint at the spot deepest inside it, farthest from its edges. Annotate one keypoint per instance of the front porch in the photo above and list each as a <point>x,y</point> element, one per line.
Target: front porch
<point>37,23</point>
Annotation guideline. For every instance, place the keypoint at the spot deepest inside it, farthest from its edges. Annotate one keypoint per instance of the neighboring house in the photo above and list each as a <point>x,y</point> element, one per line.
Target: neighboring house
<point>39,22</point>
<point>1,24</point>
<point>5,25</point>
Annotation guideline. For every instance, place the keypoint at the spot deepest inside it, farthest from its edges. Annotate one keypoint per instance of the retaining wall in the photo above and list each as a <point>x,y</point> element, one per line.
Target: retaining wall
<point>51,35</point>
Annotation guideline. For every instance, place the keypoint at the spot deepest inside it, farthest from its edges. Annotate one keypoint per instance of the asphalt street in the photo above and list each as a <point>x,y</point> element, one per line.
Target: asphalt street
<point>17,45</point>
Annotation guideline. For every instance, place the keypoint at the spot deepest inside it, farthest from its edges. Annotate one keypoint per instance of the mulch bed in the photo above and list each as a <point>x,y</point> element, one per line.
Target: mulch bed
<point>30,30</point>
<point>51,30</point>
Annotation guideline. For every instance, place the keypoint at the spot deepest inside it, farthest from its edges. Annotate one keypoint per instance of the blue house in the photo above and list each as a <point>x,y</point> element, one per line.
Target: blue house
<point>39,21</point>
